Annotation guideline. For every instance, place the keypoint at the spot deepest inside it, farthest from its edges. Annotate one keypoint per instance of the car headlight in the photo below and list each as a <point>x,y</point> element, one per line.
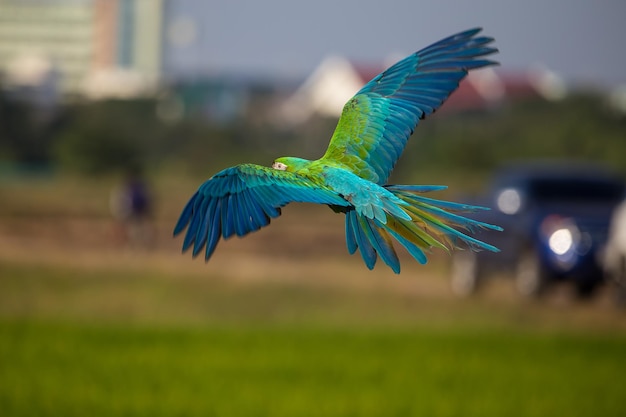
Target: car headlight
<point>561,241</point>
<point>561,235</point>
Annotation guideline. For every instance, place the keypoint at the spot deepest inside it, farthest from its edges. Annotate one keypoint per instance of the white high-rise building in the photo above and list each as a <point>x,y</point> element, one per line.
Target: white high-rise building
<point>90,45</point>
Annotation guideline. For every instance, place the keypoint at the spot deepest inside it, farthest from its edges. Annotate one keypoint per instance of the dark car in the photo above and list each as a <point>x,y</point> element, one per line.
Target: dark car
<point>556,218</point>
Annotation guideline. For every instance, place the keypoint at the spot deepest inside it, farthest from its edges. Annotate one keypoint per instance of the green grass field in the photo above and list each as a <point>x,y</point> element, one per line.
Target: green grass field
<point>276,326</point>
<point>52,368</point>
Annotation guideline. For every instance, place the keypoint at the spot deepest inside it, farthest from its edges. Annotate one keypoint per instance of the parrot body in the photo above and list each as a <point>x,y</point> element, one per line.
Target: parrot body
<point>351,176</point>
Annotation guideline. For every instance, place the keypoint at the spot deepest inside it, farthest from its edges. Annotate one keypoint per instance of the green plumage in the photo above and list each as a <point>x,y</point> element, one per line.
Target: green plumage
<point>351,176</point>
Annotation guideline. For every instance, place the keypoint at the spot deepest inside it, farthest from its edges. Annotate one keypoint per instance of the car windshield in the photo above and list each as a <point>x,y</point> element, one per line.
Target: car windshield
<point>575,190</point>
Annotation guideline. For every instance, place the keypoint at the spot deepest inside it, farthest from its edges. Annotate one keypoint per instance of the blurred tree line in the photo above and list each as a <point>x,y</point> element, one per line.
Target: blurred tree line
<point>103,137</point>
<point>582,126</point>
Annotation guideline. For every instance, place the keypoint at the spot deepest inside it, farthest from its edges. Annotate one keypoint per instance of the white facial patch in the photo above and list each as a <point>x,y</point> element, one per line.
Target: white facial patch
<point>279,166</point>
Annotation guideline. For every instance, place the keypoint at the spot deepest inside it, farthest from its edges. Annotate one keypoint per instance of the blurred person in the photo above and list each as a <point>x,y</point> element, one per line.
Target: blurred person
<point>131,205</point>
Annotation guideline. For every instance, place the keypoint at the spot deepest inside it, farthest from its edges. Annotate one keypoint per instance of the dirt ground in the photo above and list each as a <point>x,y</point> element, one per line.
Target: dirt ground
<point>309,252</point>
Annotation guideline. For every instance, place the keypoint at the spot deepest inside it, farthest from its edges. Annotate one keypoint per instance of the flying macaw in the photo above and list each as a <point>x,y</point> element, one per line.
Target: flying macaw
<point>351,177</point>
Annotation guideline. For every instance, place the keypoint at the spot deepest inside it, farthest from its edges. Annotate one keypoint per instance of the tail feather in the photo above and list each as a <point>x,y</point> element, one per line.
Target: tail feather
<point>368,253</point>
<point>433,224</point>
<point>413,233</point>
<point>350,236</point>
<point>446,210</point>
<point>381,242</point>
<point>444,230</point>
<point>415,251</point>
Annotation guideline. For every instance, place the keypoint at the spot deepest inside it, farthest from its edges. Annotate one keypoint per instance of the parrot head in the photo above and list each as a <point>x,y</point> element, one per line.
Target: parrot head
<point>290,163</point>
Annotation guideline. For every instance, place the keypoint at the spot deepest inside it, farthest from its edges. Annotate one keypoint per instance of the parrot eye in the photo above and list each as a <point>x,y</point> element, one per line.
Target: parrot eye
<point>279,166</point>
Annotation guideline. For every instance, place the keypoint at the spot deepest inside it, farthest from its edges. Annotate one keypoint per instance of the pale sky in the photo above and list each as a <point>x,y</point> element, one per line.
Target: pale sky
<point>583,40</point>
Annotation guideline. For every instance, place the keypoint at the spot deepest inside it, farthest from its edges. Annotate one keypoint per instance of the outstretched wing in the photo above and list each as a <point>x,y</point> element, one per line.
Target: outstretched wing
<point>242,199</point>
<point>377,122</point>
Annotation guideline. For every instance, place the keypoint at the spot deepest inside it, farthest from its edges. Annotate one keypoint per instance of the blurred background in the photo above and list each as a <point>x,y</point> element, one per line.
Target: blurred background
<point>112,112</point>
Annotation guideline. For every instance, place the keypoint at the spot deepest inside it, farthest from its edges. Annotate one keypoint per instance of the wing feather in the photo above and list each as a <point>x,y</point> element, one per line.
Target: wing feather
<point>242,199</point>
<point>376,123</point>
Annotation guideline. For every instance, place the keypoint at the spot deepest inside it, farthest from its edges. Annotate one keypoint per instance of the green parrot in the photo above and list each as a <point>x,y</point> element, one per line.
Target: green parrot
<point>351,177</point>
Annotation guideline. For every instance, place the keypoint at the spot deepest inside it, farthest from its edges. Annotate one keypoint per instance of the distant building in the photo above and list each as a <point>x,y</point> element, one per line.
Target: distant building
<point>57,32</point>
<point>127,44</point>
<point>324,92</point>
<point>97,47</point>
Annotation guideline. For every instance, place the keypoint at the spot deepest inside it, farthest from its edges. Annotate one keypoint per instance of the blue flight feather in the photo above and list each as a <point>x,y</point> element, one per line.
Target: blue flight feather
<point>242,199</point>
<point>350,238</point>
<point>367,250</point>
<point>378,242</point>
